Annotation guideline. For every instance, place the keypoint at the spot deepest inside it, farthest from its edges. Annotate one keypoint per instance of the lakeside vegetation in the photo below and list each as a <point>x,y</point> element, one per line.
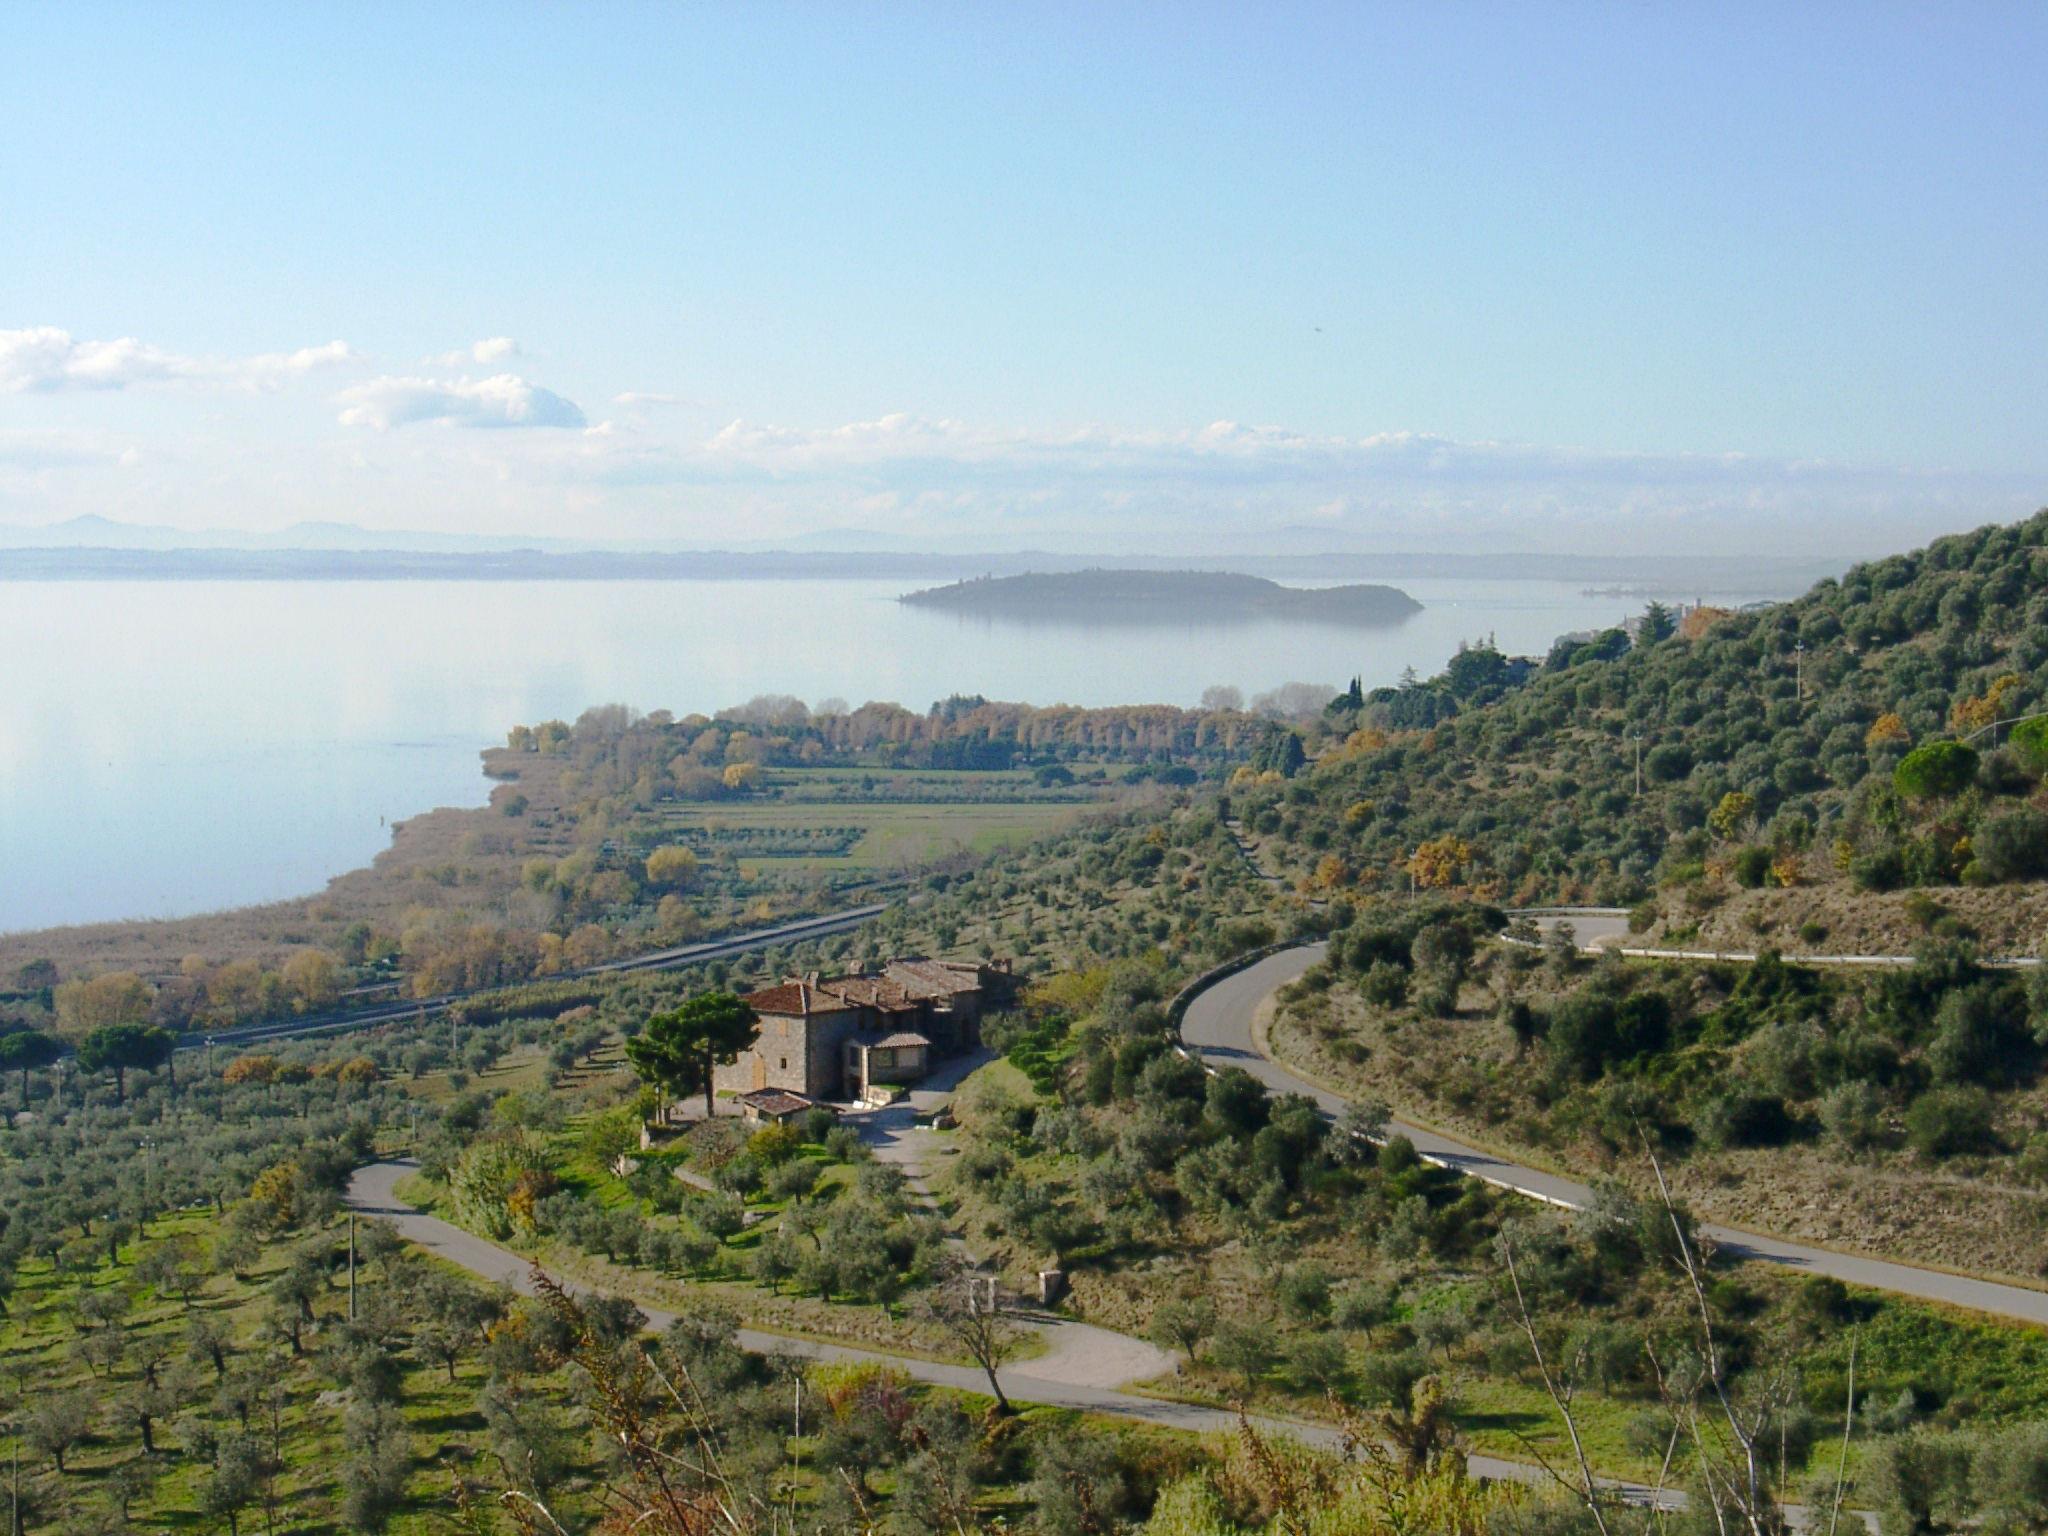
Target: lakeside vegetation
<point>620,833</point>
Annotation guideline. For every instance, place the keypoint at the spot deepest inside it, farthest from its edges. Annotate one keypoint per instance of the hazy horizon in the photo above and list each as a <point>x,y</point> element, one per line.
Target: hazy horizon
<point>1408,278</point>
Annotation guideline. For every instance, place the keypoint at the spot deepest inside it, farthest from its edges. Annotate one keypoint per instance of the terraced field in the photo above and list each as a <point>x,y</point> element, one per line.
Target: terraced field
<point>837,818</point>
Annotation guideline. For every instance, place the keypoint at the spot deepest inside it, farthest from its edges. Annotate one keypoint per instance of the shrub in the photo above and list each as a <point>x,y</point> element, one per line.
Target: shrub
<point>2029,743</point>
<point>1882,870</point>
<point>2013,846</point>
<point>1947,1122</point>
<point>1979,1035</point>
<point>1436,994</point>
<point>1936,771</point>
<point>1743,1118</point>
<point>1853,1113</point>
<point>774,1144</point>
<point>1385,985</point>
<point>1923,911</point>
<point>1667,764</point>
<point>1752,867</point>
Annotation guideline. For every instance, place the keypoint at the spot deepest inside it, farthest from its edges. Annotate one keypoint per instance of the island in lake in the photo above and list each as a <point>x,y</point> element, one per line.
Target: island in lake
<point>1161,597</point>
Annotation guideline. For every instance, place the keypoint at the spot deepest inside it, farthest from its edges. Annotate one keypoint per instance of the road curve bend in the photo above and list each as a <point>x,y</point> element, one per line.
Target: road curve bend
<point>1217,1027</point>
<point>1064,1377</point>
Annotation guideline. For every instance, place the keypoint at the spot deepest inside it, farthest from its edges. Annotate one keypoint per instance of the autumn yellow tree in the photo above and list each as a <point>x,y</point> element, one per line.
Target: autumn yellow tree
<point>1732,817</point>
<point>313,979</point>
<point>119,997</point>
<point>1888,730</point>
<point>276,1192</point>
<point>1436,864</point>
<point>1332,873</point>
<point>250,1069</point>
<point>1975,713</point>
<point>741,776</point>
<point>673,867</point>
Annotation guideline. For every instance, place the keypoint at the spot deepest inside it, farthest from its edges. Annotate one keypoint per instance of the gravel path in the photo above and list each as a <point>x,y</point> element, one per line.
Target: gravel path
<point>1077,1354</point>
<point>1219,1028</point>
<point>372,1192</point>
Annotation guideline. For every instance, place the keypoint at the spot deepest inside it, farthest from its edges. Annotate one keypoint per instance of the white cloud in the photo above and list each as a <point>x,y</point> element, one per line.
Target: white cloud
<point>492,349</point>
<point>644,397</point>
<point>45,359</point>
<point>504,400</point>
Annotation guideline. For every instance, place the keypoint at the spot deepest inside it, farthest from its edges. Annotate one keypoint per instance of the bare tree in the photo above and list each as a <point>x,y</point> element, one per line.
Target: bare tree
<point>1727,1422</point>
<point>1560,1387</point>
<point>962,1304</point>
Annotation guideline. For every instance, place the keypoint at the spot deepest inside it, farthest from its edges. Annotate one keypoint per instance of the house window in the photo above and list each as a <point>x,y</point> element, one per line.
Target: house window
<point>785,1063</point>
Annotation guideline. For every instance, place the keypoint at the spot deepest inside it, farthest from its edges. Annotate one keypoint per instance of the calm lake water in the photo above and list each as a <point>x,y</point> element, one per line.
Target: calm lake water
<point>176,747</point>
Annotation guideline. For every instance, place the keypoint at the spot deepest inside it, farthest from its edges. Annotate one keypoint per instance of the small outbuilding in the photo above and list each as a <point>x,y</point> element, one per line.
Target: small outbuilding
<point>774,1106</point>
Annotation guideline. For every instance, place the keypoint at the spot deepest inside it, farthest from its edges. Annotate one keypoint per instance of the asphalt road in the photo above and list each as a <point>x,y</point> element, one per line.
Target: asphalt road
<point>653,960</point>
<point>1218,1028</point>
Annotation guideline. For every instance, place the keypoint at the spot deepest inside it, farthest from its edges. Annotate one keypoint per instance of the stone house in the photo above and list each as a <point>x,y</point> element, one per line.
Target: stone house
<point>834,1038</point>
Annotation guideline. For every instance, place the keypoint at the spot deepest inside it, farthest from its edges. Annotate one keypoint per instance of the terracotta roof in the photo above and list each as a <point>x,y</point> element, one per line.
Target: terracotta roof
<point>776,1101</point>
<point>870,992</point>
<point>933,978</point>
<point>794,997</point>
<point>902,1037</point>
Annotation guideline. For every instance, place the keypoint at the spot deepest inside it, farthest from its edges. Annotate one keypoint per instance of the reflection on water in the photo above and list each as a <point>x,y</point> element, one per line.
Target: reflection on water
<point>170,747</point>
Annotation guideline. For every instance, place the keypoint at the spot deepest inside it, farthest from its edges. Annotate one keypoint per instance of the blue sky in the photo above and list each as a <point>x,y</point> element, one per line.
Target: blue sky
<point>1146,277</point>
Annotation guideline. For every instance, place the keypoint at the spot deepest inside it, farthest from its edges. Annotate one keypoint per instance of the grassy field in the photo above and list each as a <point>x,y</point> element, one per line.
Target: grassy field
<point>889,835</point>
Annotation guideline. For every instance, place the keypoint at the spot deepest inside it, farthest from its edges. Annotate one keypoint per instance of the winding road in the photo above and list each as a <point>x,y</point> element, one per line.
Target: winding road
<point>1082,1368</point>
<point>1087,1369</point>
<point>1219,1028</point>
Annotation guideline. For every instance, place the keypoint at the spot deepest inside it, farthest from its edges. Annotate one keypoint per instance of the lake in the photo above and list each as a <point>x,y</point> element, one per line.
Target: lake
<point>177,747</point>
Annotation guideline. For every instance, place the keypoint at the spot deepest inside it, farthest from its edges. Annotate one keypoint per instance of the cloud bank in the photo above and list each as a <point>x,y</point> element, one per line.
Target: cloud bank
<point>504,400</point>
<point>492,349</point>
<point>531,461</point>
<point>45,359</point>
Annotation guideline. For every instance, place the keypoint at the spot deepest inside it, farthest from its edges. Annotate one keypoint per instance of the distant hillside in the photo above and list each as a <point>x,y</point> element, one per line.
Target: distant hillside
<point>1125,596</point>
<point>1814,744</point>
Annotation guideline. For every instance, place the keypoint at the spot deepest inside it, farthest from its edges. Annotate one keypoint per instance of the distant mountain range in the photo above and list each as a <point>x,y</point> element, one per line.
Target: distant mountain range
<point>1162,597</point>
<point>95,532</point>
<point>100,548</point>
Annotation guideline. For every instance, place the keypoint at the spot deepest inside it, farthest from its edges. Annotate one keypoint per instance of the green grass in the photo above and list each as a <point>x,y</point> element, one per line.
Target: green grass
<point>890,835</point>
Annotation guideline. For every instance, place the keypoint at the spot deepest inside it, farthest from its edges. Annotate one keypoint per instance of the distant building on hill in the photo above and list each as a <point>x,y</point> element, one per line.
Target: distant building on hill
<point>837,1038</point>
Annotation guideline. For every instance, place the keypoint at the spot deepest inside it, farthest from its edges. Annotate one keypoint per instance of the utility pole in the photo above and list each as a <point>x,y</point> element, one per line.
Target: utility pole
<point>351,1266</point>
<point>148,1147</point>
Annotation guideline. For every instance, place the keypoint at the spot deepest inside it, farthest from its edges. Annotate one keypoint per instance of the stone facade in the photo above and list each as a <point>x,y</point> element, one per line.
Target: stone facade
<point>829,1038</point>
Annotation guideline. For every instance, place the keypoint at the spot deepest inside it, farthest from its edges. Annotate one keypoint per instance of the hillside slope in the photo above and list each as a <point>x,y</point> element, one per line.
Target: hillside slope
<point>1764,752</point>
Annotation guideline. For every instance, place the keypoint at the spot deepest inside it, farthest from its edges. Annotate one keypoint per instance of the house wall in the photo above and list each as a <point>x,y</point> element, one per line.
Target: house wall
<point>792,1052</point>
<point>828,1038</point>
